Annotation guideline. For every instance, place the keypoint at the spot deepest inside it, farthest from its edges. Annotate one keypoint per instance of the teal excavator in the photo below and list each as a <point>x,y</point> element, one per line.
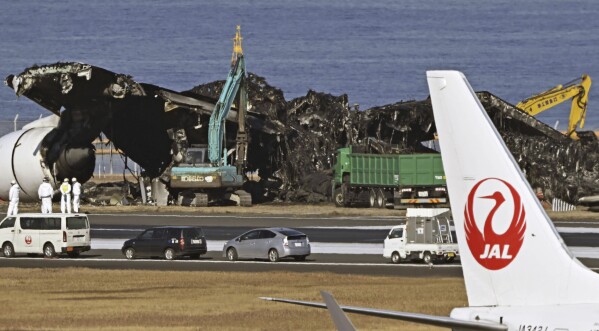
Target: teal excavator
<point>202,180</point>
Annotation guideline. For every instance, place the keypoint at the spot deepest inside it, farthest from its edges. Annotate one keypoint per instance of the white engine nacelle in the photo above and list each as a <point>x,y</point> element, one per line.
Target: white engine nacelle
<point>21,160</point>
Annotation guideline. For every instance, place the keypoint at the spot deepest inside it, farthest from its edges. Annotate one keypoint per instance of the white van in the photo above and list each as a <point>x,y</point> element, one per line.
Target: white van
<point>48,234</point>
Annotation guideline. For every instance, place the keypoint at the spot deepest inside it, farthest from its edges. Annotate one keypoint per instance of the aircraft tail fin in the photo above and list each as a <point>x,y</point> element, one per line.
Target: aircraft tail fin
<point>511,253</point>
<point>342,322</point>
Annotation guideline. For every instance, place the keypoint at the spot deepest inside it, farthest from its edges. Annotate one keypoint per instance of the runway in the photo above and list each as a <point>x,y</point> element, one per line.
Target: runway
<point>339,244</point>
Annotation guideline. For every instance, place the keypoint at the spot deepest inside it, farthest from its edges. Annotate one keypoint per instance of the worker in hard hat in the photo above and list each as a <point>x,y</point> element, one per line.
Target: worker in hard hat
<point>65,200</point>
<point>13,198</point>
<point>45,194</point>
<point>76,193</point>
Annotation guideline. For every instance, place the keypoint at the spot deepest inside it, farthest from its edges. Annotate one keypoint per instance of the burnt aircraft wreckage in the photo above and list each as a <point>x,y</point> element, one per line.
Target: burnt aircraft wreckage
<point>291,143</point>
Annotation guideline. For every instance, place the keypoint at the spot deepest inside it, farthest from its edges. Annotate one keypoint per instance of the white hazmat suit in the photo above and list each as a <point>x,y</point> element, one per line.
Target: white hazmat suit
<point>13,198</point>
<point>45,194</point>
<point>76,194</point>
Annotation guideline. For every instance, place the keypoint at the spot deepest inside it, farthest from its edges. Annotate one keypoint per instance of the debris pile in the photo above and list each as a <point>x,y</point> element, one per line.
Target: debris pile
<point>292,143</point>
<point>309,129</point>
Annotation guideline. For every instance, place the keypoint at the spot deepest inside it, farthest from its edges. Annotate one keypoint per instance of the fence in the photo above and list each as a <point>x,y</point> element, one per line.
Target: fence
<point>109,162</point>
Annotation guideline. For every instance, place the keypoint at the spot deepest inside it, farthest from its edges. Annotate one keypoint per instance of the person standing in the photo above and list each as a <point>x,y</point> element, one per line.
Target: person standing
<point>76,194</point>
<point>65,200</point>
<point>13,198</point>
<point>45,194</point>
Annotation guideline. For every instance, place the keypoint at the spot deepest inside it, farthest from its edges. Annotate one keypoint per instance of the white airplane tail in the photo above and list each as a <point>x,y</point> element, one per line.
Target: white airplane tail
<point>511,253</point>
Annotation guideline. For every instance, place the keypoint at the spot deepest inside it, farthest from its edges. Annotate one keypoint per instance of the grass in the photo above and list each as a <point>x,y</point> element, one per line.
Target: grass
<point>79,298</point>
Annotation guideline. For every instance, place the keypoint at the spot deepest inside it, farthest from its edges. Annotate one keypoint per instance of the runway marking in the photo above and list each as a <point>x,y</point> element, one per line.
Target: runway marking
<point>562,229</point>
<point>124,230</point>
<point>576,222</point>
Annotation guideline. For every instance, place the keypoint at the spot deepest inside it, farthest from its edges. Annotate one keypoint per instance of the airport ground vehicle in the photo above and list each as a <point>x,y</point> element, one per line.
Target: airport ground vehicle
<point>270,243</point>
<point>423,237</point>
<point>212,178</point>
<point>404,179</point>
<point>169,242</point>
<point>48,234</point>
<point>577,90</point>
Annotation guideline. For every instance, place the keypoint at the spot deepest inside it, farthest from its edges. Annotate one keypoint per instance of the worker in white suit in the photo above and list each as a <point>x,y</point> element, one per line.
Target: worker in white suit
<point>76,193</point>
<point>45,194</point>
<point>65,199</point>
<point>13,198</point>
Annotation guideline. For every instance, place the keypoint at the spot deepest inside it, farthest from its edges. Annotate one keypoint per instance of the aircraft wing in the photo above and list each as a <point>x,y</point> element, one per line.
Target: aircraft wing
<point>341,320</point>
<point>441,321</point>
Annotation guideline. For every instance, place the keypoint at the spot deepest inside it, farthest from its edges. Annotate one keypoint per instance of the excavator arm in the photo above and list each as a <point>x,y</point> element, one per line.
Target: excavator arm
<point>577,90</point>
<point>236,81</point>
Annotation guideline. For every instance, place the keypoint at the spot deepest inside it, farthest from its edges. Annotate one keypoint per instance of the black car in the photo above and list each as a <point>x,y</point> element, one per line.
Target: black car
<point>168,241</point>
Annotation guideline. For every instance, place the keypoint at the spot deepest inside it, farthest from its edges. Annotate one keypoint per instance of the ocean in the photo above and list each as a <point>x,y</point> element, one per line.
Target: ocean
<point>375,51</point>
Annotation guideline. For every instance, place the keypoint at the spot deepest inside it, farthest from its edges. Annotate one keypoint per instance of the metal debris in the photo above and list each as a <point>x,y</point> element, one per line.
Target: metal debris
<point>292,143</point>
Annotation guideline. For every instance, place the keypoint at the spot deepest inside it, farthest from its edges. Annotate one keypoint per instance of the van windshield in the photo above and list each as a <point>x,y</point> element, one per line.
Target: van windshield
<point>76,223</point>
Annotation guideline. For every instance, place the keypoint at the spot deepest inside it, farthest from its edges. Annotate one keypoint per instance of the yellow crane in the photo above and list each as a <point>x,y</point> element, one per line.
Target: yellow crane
<point>577,90</point>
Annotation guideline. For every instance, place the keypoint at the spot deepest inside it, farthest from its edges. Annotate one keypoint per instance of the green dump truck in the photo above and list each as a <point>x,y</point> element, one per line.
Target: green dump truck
<point>377,179</point>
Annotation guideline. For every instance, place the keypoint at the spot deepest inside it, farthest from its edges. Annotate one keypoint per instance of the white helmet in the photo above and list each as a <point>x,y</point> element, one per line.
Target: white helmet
<point>13,182</point>
<point>74,179</point>
<point>66,180</point>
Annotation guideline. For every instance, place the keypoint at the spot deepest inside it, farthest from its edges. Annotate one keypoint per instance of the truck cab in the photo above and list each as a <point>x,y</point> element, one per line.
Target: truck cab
<point>427,237</point>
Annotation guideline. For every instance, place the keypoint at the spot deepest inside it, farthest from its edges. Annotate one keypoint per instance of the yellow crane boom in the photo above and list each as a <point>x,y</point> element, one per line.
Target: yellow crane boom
<point>577,90</point>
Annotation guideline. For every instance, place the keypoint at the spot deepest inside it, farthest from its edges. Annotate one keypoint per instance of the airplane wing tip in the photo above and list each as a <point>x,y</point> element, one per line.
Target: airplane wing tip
<point>267,298</point>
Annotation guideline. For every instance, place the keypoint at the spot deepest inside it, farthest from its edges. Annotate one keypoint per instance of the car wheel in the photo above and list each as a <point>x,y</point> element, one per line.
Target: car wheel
<point>130,253</point>
<point>169,254</point>
<point>273,255</point>
<point>49,250</point>
<point>395,257</point>
<point>8,250</point>
<point>300,258</point>
<point>73,254</point>
<point>427,258</point>
<point>232,254</point>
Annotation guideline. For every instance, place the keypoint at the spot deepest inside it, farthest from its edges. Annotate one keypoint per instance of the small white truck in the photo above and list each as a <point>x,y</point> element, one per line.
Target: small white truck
<point>426,236</point>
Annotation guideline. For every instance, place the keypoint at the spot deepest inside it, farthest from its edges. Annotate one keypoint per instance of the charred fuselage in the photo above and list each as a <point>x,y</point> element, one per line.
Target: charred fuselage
<point>291,143</point>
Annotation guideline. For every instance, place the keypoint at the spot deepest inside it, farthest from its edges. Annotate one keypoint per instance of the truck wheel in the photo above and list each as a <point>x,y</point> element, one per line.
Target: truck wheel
<point>395,258</point>
<point>372,199</point>
<point>427,258</point>
<point>339,198</point>
<point>381,202</point>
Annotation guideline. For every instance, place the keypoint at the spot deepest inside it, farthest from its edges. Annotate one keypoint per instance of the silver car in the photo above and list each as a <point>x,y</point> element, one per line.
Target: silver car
<point>270,243</point>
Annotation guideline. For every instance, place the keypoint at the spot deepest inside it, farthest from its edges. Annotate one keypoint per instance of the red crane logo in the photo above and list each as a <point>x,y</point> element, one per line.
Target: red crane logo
<point>494,251</point>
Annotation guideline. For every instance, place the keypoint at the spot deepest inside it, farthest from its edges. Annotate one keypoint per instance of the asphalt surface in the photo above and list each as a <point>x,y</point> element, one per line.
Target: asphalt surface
<point>223,227</point>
